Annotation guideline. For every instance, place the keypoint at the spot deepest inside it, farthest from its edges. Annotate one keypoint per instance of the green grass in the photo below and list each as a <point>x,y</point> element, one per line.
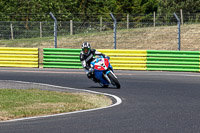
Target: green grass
<point>148,38</point>
<point>18,103</point>
<point>26,42</point>
<point>46,42</point>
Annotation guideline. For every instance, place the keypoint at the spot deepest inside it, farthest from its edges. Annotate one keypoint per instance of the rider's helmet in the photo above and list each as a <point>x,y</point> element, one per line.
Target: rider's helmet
<point>86,48</point>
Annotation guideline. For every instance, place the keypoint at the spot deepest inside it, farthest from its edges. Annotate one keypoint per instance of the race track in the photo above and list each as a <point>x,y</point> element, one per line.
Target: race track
<point>152,102</point>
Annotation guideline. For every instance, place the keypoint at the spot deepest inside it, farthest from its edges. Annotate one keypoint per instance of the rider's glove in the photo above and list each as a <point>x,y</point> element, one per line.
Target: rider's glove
<point>91,70</point>
<point>107,57</point>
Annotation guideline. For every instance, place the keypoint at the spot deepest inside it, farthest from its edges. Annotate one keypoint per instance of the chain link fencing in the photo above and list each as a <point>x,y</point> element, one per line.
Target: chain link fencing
<point>133,32</point>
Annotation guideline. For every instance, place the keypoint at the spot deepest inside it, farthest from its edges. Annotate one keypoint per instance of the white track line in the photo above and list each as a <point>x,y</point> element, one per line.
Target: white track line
<point>118,101</point>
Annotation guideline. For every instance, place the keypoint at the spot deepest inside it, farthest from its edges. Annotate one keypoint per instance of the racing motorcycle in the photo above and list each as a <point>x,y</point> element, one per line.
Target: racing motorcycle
<point>104,73</point>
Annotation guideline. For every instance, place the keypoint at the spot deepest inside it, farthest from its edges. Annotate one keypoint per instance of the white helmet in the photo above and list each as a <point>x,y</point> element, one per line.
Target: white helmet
<point>86,47</point>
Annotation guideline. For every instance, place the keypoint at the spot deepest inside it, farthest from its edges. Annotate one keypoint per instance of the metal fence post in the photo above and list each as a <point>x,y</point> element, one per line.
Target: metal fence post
<point>114,29</point>
<point>71,27</point>
<point>154,19</point>
<point>11,30</point>
<point>40,29</point>
<point>55,29</point>
<point>179,31</point>
<point>181,11</point>
<point>127,21</point>
<point>101,19</point>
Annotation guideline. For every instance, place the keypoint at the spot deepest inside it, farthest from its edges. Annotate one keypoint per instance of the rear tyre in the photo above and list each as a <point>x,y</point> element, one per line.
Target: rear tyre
<point>114,80</point>
<point>103,86</point>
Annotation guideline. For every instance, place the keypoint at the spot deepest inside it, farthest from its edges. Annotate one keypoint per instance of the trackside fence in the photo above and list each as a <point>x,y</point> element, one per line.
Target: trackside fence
<point>158,60</point>
<point>18,57</point>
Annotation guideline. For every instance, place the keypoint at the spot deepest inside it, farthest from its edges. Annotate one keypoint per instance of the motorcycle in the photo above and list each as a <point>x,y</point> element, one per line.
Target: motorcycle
<point>104,73</point>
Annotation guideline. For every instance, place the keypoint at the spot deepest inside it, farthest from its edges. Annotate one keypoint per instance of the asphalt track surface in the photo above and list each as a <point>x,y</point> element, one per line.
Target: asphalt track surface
<point>152,102</point>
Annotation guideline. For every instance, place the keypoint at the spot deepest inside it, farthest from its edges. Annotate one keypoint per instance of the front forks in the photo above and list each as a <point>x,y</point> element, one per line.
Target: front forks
<point>106,76</point>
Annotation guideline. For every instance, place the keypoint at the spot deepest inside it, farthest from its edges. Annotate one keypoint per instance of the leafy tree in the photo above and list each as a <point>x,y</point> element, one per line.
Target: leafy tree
<point>150,6</point>
<point>168,7</point>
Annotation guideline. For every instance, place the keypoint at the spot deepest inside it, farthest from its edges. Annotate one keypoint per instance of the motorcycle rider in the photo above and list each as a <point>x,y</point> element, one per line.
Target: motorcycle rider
<point>86,57</point>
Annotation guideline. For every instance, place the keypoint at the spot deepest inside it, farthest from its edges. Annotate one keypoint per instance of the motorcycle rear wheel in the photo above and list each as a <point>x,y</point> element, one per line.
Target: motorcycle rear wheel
<point>114,80</point>
<point>104,86</point>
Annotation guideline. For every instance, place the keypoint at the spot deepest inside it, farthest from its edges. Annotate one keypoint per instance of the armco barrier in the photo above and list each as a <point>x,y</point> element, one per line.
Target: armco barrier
<point>69,58</point>
<point>163,60</point>
<point>61,58</point>
<point>160,60</point>
<point>18,57</point>
<point>127,59</point>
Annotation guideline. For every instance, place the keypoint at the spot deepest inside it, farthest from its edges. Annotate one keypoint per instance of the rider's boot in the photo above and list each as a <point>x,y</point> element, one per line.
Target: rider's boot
<point>95,79</point>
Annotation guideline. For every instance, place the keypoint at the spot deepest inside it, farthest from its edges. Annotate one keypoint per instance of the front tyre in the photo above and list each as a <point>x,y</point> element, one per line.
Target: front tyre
<point>114,80</point>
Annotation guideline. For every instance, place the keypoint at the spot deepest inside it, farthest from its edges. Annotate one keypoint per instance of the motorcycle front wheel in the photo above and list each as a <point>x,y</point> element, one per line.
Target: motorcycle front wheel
<point>114,80</point>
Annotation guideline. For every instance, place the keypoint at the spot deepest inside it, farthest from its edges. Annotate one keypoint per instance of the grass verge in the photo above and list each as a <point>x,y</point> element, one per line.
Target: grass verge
<point>18,103</point>
<point>146,38</point>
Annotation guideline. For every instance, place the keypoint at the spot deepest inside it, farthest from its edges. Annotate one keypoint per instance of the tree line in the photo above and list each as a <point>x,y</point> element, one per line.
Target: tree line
<point>89,10</point>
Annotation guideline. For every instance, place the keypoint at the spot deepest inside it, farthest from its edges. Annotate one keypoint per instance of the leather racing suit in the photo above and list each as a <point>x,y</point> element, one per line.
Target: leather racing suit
<point>86,59</point>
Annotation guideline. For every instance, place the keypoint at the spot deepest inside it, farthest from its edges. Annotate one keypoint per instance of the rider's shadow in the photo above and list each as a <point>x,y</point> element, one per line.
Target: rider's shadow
<point>99,87</point>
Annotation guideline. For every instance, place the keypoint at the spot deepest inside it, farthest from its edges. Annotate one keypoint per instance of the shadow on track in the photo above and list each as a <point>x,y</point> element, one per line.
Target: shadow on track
<point>99,87</point>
